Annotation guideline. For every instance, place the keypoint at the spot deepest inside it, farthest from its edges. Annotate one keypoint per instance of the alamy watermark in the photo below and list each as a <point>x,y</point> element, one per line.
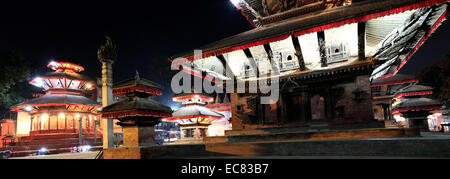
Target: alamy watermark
<point>209,83</point>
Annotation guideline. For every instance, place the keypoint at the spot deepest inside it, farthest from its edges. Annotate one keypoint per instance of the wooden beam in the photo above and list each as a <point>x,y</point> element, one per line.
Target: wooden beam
<point>269,52</point>
<point>322,48</point>
<point>298,53</point>
<point>362,41</point>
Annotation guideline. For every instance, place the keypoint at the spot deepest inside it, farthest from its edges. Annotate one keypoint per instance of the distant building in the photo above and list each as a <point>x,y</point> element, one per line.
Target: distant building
<point>383,90</point>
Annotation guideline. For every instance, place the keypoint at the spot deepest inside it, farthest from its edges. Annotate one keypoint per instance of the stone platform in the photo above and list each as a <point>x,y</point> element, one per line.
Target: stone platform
<point>369,143</point>
<point>55,143</point>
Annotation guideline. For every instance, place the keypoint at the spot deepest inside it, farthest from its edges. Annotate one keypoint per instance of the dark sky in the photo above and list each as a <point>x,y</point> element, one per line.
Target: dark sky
<point>145,33</point>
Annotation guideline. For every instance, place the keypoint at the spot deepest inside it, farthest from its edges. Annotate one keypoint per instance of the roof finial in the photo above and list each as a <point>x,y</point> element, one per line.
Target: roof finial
<point>107,51</point>
<point>137,76</point>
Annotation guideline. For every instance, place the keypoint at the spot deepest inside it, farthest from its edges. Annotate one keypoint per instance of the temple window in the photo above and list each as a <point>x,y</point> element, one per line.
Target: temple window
<point>189,133</point>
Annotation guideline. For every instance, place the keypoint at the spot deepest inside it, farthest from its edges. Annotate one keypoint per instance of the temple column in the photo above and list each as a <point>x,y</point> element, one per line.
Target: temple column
<point>298,53</point>
<point>57,122</point>
<point>322,48</point>
<point>107,97</point>
<point>362,41</point>
<point>48,122</point>
<point>31,124</point>
<point>38,123</point>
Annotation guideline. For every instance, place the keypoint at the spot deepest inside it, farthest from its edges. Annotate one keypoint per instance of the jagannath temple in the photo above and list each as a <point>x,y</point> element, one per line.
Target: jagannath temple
<point>324,55</point>
<point>66,116</point>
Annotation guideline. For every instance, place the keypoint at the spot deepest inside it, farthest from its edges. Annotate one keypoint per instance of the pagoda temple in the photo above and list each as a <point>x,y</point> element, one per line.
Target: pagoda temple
<point>383,91</point>
<point>138,113</point>
<point>67,111</point>
<point>412,107</point>
<point>194,119</point>
<point>322,54</point>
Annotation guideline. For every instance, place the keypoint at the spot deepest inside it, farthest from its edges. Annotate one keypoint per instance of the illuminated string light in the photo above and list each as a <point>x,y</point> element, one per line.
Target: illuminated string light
<point>39,82</point>
<point>235,2</point>
<point>28,108</point>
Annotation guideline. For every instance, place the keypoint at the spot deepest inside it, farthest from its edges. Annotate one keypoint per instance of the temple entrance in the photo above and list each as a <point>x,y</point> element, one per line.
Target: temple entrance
<point>318,107</point>
<point>297,108</point>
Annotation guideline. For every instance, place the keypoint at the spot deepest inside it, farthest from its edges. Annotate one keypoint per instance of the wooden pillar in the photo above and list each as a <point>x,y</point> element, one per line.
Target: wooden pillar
<point>31,126</point>
<point>38,122</point>
<point>57,122</point>
<point>298,53</point>
<point>269,52</point>
<point>362,41</point>
<point>322,48</point>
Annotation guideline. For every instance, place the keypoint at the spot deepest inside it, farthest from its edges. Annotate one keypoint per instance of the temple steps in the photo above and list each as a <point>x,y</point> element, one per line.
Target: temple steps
<point>312,135</point>
<point>55,143</point>
<point>308,127</point>
<point>374,147</point>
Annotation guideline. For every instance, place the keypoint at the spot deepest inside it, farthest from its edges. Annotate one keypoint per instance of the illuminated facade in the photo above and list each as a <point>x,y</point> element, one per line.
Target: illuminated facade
<point>323,55</point>
<point>68,107</point>
<point>194,118</point>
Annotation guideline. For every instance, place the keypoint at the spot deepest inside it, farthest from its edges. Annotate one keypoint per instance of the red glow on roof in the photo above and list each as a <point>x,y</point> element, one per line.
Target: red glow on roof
<point>179,99</point>
<point>125,90</point>
<point>53,104</point>
<point>395,83</point>
<point>65,67</point>
<point>428,108</point>
<point>191,117</point>
<point>422,93</point>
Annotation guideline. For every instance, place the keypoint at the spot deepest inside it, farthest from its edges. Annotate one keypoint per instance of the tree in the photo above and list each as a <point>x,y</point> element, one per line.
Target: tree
<point>438,76</point>
<point>15,73</point>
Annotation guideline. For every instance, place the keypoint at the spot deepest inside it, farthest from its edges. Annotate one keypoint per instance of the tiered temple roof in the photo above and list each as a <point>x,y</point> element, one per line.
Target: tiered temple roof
<point>414,90</point>
<point>392,30</point>
<point>139,103</point>
<point>395,80</point>
<point>64,87</point>
<point>418,104</point>
<point>194,109</point>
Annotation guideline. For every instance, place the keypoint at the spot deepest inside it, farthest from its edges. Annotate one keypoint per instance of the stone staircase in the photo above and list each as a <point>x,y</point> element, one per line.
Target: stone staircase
<point>54,143</point>
<point>388,143</point>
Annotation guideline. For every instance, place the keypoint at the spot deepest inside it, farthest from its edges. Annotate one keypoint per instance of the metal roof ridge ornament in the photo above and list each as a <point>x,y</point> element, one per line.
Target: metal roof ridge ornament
<point>107,52</point>
<point>137,76</point>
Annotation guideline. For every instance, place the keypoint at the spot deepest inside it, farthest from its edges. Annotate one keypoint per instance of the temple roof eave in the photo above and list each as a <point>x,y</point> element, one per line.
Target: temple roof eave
<point>330,18</point>
<point>57,100</point>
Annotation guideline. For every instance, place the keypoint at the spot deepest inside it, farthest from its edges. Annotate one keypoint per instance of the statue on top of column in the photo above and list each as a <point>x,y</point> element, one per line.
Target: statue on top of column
<point>107,51</point>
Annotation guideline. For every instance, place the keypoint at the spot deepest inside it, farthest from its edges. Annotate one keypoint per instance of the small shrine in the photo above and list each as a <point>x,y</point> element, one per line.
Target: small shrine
<point>194,118</point>
<point>413,108</point>
<point>138,114</point>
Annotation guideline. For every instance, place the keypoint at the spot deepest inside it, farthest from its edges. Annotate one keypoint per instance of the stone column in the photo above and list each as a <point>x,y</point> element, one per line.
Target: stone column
<point>107,97</point>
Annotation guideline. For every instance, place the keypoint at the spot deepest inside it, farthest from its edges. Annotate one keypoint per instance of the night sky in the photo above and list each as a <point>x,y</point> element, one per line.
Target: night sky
<point>145,33</point>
